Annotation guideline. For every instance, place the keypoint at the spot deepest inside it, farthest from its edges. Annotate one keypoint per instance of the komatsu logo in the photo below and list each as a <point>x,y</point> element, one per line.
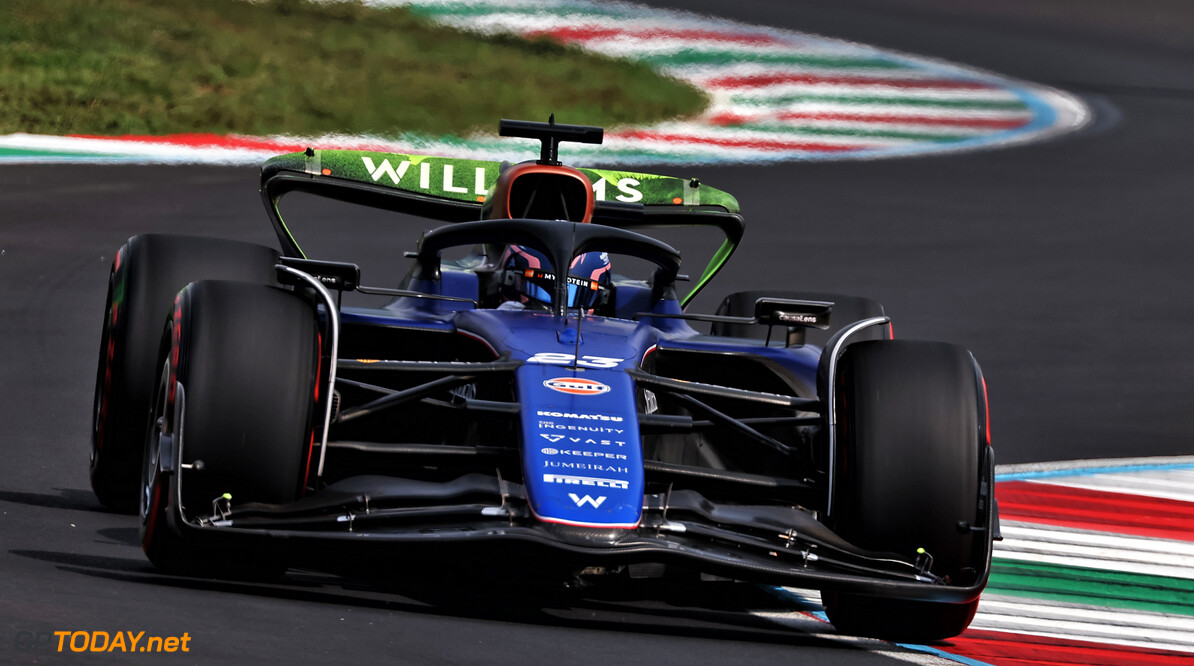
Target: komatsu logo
<point>583,417</point>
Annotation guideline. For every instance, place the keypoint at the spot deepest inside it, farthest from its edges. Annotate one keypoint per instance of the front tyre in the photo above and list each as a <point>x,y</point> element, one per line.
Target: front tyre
<point>147,272</point>
<point>908,477</point>
<point>234,414</point>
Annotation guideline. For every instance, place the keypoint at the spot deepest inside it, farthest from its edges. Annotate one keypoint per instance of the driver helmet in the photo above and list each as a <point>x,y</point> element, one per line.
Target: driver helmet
<point>528,278</point>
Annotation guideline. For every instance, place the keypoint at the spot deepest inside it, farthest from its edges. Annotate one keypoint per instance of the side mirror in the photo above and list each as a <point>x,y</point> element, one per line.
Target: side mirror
<point>796,315</point>
<point>334,275</point>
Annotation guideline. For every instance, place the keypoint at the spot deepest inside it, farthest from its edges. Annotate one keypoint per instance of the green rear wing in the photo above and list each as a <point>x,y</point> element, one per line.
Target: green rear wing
<point>454,190</point>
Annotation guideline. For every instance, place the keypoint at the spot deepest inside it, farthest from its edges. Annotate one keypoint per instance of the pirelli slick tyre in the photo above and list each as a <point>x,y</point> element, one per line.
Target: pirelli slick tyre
<point>908,478</point>
<point>233,417</point>
<point>146,273</point>
<point>846,310</point>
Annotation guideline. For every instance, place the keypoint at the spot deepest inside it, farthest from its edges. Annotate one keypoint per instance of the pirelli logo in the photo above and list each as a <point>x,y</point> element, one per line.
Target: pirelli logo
<point>585,481</point>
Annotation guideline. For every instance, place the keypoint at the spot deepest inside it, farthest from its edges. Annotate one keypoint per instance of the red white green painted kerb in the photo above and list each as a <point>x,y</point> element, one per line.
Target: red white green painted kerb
<point>1096,568</point>
<point>777,95</point>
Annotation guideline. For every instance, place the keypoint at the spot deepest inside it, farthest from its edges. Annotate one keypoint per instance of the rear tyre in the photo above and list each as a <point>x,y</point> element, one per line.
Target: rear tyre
<point>246,360</point>
<point>908,477</point>
<point>146,274</point>
<point>846,310</point>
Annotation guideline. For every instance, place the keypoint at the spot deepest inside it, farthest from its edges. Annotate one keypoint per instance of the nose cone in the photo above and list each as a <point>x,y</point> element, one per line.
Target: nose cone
<point>581,453</point>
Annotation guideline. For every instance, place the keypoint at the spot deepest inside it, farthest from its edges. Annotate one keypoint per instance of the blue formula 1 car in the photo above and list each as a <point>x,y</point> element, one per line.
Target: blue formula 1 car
<point>517,398</point>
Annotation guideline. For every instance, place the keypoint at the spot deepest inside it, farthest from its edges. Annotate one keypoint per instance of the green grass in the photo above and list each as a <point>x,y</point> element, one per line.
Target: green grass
<point>112,67</point>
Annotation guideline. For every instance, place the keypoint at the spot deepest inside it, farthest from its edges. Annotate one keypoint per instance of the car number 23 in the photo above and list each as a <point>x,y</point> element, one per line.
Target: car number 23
<point>556,358</point>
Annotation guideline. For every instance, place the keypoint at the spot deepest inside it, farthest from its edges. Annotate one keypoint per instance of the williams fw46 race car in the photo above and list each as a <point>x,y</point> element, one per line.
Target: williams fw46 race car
<point>516,398</point>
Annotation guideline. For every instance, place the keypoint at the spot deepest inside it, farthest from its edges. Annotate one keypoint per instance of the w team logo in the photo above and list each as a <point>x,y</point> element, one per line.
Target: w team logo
<point>581,501</point>
<point>576,386</point>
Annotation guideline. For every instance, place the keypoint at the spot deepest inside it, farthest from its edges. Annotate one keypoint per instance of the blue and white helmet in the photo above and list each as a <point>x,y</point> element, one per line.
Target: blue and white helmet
<point>529,278</point>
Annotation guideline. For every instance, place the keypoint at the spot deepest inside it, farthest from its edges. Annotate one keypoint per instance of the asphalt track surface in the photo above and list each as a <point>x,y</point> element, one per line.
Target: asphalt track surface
<point>1063,266</point>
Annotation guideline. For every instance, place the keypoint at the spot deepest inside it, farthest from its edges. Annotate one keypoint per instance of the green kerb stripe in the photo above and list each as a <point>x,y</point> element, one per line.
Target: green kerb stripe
<point>694,57</point>
<point>1093,587</point>
<point>40,152</point>
<point>1000,105</point>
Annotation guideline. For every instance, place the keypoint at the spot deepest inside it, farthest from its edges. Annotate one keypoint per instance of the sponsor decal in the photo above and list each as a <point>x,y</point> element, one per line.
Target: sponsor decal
<point>581,501</point>
<point>796,318</point>
<point>385,169</point>
<point>628,188</point>
<point>587,467</point>
<point>582,454</point>
<point>580,440</point>
<point>582,417</point>
<point>586,481</point>
<point>576,386</point>
<point>570,279</point>
<point>552,425</point>
<point>559,358</point>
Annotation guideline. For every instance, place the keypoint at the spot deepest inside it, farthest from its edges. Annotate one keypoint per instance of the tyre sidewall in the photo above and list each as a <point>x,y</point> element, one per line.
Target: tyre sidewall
<point>248,360</point>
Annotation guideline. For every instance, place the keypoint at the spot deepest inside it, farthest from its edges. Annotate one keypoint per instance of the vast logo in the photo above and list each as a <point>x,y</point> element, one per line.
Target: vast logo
<point>551,438</point>
<point>576,386</point>
<point>581,501</point>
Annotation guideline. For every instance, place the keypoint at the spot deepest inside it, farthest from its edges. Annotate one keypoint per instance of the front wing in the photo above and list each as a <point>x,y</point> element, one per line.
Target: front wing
<point>477,516</point>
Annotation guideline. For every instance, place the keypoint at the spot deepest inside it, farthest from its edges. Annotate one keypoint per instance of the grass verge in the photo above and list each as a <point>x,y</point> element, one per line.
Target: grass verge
<point>111,67</point>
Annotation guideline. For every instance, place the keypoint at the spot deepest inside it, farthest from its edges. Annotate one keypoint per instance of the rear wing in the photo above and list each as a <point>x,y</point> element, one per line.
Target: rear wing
<point>454,190</point>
